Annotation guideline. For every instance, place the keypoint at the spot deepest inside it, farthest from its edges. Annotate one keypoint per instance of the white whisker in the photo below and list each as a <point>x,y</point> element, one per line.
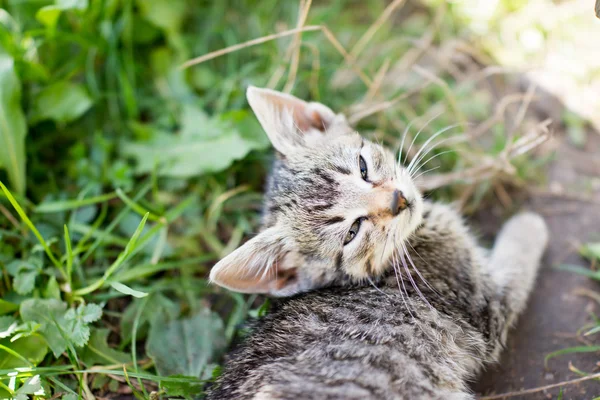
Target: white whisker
<point>419,132</point>
<point>403,288</point>
<point>376,288</point>
<point>424,172</point>
<point>404,137</point>
<point>387,236</point>
<point>416,169</point>
<point>412,281</point>
<point>417,270</point>
<point>438,133</point>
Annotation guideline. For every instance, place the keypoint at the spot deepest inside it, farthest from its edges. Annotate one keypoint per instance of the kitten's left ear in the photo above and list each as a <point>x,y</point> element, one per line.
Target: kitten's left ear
<point>288,121</point>
<point>261,265</point>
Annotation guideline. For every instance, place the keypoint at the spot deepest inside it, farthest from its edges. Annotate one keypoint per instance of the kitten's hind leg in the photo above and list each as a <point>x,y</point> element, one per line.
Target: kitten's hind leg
<point>514,262</point>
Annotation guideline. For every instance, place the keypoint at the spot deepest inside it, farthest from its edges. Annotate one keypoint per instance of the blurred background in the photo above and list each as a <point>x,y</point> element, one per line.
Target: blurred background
<point>130,163</point>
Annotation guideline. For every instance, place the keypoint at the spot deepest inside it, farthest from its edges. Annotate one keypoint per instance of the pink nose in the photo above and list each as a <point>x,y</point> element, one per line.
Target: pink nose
<point>399,202</point>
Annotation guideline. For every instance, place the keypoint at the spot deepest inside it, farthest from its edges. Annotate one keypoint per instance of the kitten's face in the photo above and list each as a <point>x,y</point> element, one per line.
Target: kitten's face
<point>337,206</point>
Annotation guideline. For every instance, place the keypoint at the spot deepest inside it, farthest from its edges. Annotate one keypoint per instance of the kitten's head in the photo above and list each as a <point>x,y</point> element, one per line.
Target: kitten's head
<point>337,205</point>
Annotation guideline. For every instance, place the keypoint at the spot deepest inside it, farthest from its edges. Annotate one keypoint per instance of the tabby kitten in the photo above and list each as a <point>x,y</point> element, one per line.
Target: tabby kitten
<point>384,295</point>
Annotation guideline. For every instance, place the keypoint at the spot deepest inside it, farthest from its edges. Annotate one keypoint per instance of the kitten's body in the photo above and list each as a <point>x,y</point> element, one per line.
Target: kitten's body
<point>407,307</point>
<point>362,342</point>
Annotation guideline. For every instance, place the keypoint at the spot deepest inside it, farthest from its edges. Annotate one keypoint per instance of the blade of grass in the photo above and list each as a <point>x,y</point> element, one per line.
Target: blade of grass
<point>66,205</point>
<point>129,249</point>
<point>135,392</point>
<point>9,390</point>
<point>15,354</point>
<point>33,229</point>
<point>580,270</point>
<point>109,239</point>
<point>134,329</point>
<point>61,385</point>
<point>69,256</point>
<point>570,350</point>
<point>138,208</point>
<point>142,271</point>
<point>592,331</point>
<point>100,239</point>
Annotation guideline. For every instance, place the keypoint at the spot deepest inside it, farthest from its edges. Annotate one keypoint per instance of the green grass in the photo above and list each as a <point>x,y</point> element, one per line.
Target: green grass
<point>591,252</point>
<point>124,177</point>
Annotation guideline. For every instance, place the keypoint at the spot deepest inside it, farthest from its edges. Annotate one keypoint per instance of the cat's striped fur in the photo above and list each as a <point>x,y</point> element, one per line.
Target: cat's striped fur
<point>416,322</point>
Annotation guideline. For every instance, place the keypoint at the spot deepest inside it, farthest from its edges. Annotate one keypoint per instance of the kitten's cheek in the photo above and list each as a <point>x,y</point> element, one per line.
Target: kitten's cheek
<point>357,271</point>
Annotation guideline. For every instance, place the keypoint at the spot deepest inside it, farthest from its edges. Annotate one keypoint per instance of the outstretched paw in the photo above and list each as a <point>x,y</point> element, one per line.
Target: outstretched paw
<point>528,228</point>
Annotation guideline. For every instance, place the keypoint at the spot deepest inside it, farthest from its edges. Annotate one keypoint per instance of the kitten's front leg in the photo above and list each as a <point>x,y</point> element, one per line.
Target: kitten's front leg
<point>514,262</point>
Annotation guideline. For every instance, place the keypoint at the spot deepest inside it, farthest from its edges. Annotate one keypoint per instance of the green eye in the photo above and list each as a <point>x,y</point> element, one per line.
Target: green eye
<point>353,231</point>
<point>363,168</point>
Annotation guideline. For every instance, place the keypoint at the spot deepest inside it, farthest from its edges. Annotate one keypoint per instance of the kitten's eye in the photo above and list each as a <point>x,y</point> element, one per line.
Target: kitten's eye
<point>353,230</point>
<point>363,168</point>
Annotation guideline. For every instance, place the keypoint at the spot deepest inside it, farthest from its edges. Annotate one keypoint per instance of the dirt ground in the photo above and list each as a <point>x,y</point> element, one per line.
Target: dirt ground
<point>555,311</point>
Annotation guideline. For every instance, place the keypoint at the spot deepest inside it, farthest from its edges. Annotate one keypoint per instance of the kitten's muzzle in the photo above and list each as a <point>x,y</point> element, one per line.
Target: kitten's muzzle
<point>399,202</point>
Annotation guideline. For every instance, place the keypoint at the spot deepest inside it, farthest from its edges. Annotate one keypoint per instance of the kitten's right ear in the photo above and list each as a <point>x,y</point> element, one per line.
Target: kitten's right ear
<point>288,120</point>
<point>261,265</point>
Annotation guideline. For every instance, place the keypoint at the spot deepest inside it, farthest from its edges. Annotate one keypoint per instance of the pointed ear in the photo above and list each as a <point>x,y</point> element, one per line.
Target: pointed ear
<point>261,265</point>
<point>287,119</point>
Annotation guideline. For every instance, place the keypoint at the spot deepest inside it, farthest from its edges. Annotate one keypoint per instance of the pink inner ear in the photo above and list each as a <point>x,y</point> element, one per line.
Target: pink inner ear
<point>301,120</point>
<point>304,119</point>
<point>257,284</point>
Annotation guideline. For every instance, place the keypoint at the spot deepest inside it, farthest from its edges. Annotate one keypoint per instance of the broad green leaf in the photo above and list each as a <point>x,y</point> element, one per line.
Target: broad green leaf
<point>119,287</point>
<point>77,321</point>
<point>6,307</point>
<point>48,15</point>
<point>98,352</point>
<point>59,325</point>
<point>159,309</point>
<point>183,389</point>
<point>12,125</point>
<point>33,348</point>
<point>8,325</point>
<point>52,291</point>
<point>24,282</point>
<point>24,273</point>
<point>48,313</point>
<point>166,14</point>
<point>187,346</point>
<point>31,386</point>
<point>205,146</point>
<point>61,102</point>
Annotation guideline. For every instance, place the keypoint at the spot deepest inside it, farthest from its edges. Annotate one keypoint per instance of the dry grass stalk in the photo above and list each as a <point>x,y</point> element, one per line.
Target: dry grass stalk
<point>10,217</point>
<point>368,35</point>
<point>356,114</point>
<point>447,92</point>
<point>541,388</point>
<point>295,46</point>
<point>488,167</point>
<point>377,81</point>
<point>486,125</point>
<point>330,37</point>
<point>249,43</point>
